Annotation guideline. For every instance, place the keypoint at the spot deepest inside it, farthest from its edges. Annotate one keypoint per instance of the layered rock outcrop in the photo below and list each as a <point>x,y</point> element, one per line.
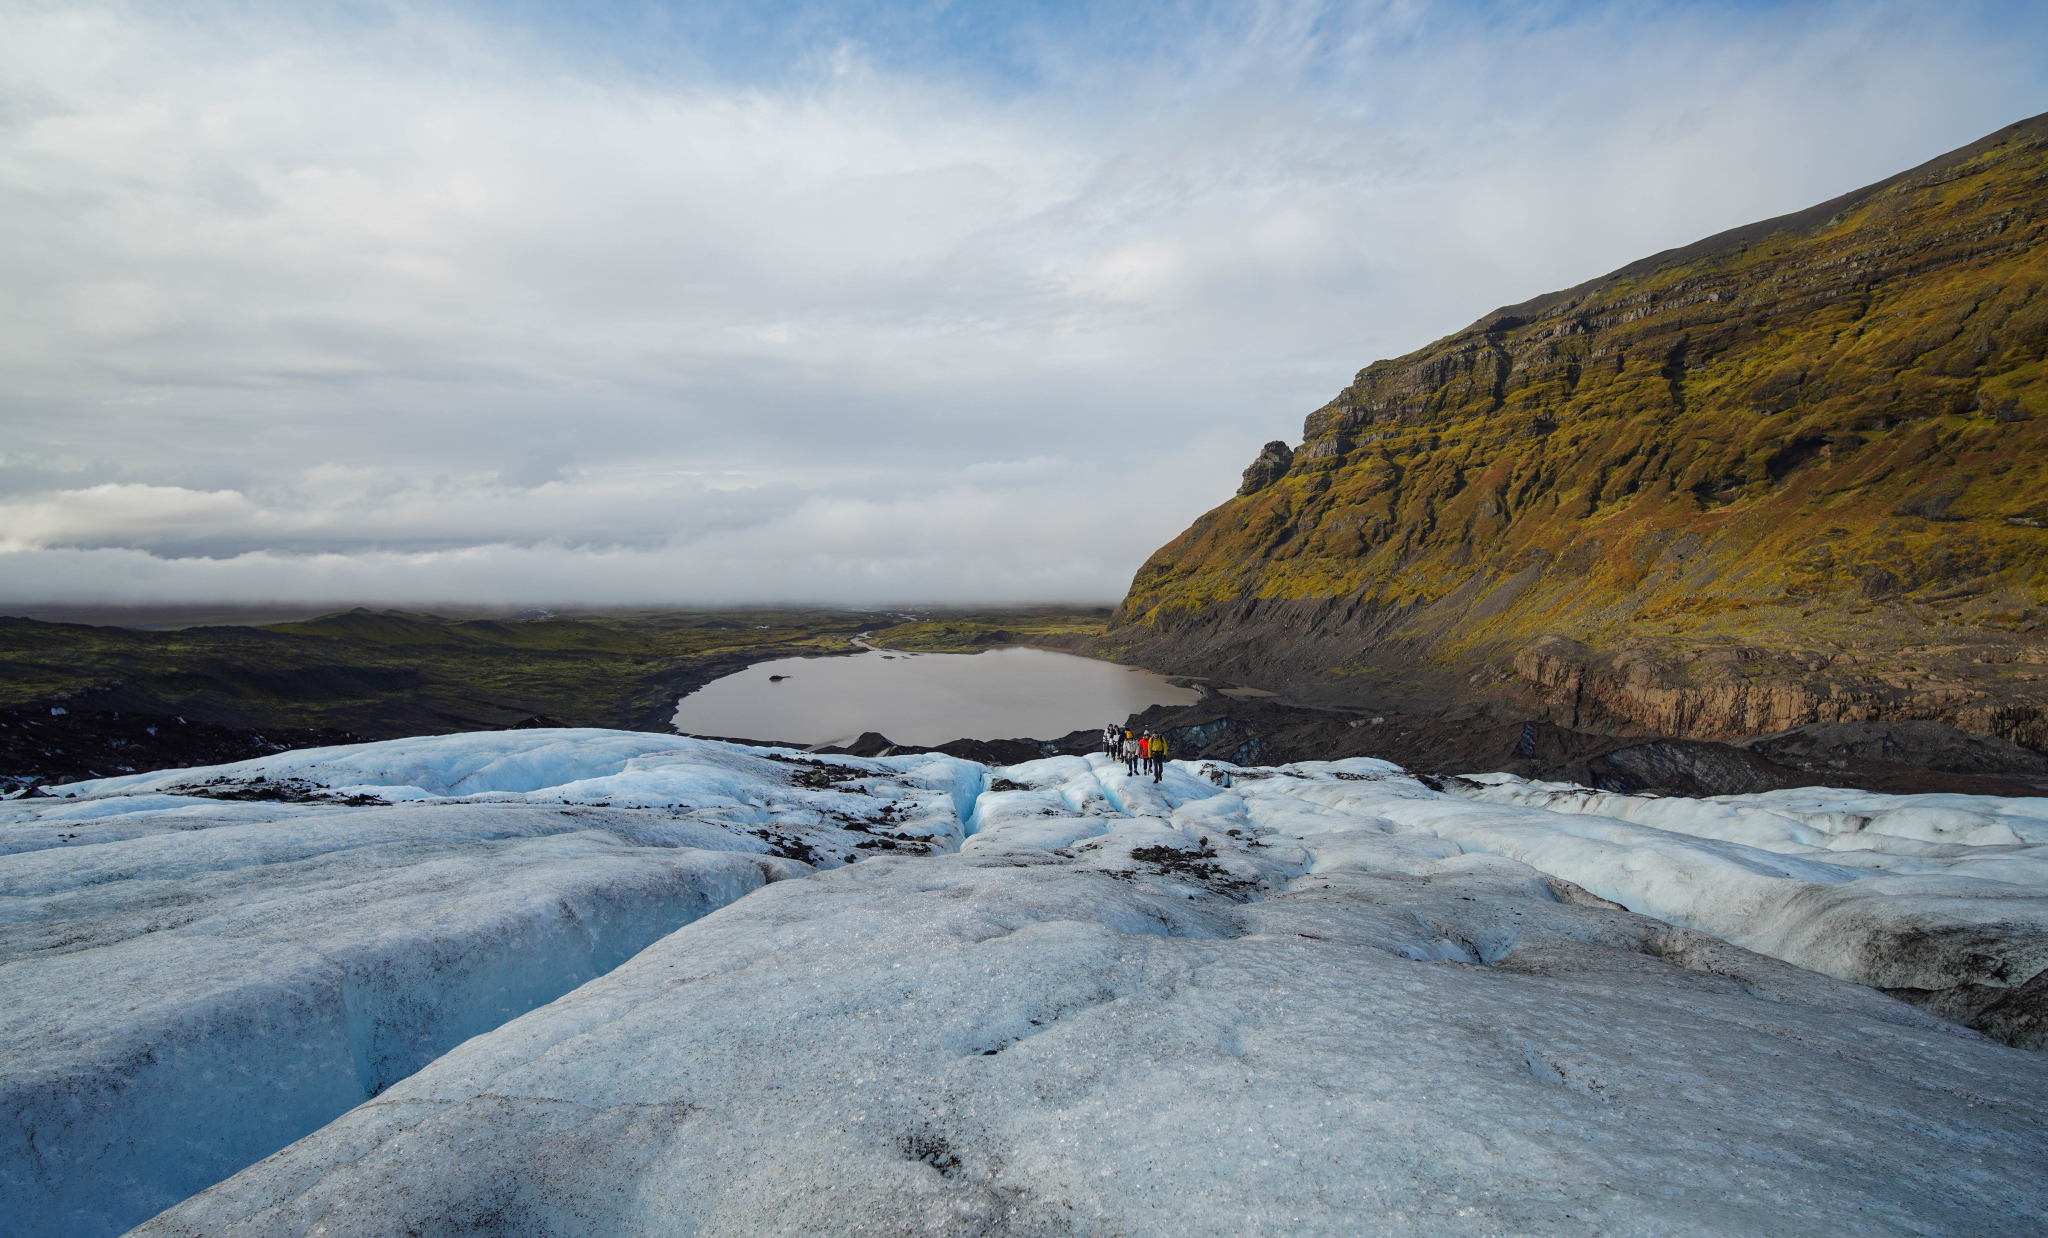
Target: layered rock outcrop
<point>1795,473</point>
<point>1272,465</point>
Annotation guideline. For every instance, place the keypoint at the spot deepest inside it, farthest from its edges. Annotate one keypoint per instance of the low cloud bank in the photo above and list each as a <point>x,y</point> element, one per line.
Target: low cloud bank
<point>539,575</point>
<point>1044,529</point>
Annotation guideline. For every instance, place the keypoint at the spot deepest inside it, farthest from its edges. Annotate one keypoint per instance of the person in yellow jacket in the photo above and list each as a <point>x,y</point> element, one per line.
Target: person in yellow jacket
<point>1158,755</point>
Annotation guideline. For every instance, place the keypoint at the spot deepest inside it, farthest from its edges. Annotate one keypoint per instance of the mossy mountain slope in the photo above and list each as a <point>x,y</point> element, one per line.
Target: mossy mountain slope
<point>1793,473</point>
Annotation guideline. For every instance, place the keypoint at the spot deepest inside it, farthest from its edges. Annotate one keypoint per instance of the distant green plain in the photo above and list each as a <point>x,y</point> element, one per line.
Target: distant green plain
<point>383,674</point>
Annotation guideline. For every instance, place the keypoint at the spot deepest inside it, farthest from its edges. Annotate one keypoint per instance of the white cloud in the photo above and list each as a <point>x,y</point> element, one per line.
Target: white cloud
<point>420,311</point>
<point>70,517</point>
<point>1042,529</point>
<point>121,307</point>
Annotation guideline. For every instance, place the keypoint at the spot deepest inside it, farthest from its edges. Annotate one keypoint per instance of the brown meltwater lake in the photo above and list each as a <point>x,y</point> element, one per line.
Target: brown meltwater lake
<point>924,698</point>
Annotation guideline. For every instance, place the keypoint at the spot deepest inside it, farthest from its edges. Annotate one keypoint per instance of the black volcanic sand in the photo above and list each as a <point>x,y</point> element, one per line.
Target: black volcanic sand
<point>38,746</point>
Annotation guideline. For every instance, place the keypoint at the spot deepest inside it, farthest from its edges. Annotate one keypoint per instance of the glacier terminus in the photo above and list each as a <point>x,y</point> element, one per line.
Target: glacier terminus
<point>589,982</point>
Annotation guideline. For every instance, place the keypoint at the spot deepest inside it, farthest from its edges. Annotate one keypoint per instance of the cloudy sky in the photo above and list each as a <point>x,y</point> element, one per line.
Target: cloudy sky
<point>646,302</point>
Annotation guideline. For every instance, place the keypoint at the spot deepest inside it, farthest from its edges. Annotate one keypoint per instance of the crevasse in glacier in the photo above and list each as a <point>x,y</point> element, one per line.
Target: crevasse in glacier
<point>195,981</point>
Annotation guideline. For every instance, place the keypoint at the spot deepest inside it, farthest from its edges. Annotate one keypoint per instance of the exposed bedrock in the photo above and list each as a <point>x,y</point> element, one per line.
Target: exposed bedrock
<point>1792,474</point>
<point>1345,652</point>
<point>1272,465</point>
<point>1722,691</point>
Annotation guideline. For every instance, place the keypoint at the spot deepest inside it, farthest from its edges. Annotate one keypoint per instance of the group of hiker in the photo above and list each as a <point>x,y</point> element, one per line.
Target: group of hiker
<point>1140,751</point>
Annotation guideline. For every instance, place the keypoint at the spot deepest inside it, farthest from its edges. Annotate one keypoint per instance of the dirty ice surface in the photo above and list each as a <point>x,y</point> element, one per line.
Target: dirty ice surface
<point>1322,998</point>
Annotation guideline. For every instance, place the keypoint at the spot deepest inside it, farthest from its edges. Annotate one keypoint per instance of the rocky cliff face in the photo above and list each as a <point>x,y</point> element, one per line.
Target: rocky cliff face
<point>1795,473</point>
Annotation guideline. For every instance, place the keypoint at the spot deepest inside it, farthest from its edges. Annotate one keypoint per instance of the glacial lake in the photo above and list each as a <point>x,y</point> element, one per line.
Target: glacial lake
<point>924,698</point>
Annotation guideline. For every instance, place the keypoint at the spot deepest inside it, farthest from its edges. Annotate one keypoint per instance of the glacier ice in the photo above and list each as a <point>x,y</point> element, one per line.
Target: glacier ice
<point>558,982</point>
<point>1941,896</point>
<point>1211,1009</point>
<point>194,982</point>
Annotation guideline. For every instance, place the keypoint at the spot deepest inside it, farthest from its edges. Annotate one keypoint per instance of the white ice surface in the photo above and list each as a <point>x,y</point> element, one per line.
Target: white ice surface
<point>1802,819</point>
<point>193,983</point>
<point>1315,999</point>
<point>1893,913</point>
<point>620,769</point>
<point>1117,1011</point>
